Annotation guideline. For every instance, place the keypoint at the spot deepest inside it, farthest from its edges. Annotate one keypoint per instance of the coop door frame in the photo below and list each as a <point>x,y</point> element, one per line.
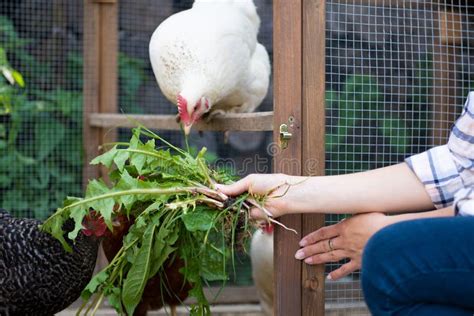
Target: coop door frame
<point>299,89</point>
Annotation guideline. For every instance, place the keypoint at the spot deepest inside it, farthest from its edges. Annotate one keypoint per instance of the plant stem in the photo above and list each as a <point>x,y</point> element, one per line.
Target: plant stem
<point>98,303</point>
<point>174,190</point>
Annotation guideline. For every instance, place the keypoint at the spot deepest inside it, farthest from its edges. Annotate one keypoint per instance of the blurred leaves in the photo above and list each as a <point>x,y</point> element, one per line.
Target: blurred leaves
<point>40,133</point>
<point>41,123</point>
<point>361,122</point>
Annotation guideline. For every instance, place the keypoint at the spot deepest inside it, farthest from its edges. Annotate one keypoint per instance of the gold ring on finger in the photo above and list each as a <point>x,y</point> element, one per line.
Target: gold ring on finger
<point>330,244</point>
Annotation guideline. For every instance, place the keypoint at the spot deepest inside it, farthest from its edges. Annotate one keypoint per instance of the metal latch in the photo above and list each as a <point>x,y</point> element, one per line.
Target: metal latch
<point>285,136</point>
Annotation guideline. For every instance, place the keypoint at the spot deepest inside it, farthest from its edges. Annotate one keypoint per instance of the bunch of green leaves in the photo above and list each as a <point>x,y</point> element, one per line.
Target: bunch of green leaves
<point>177,212</point>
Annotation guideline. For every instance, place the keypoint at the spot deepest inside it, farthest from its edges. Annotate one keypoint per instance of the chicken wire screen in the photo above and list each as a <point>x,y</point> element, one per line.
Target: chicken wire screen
<point>397,75</point>
<point>41,122</point>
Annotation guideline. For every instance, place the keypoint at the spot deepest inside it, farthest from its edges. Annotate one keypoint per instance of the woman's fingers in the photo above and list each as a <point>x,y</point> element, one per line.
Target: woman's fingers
<point>323,233</point>
<point>344,270</point>
<point>322,246</point>
<point>256,213</point>
<point>331,256</point>
<point>236,188</point>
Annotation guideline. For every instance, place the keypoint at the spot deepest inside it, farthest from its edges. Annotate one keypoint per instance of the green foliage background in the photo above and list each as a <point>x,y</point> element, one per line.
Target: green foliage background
<point>41,125</point>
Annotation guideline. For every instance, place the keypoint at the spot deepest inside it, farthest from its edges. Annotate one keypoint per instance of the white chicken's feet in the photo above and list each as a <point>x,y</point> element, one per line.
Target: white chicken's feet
<point>212,115</point>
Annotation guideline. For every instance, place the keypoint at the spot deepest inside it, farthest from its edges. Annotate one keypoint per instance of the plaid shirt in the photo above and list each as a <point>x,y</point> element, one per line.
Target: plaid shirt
<point>447,171</point>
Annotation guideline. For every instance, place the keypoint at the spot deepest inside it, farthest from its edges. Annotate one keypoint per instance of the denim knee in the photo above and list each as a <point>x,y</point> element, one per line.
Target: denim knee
<point>376,275</point>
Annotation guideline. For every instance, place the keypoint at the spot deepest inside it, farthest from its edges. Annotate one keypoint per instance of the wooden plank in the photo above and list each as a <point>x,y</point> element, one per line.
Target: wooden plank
<point>444,92</point>
<point>287,109</point>
<point>313,142</point>
<point>445,83</point>
<point>450,27</point>
<point>108,68</point>
<point>387,3</point>
<point>259,121</point>
<point>91,86</point>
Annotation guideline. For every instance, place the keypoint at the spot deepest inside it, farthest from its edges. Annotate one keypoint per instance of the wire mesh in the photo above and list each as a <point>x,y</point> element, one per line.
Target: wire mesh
<point>40,124</point>
<point>397,75</point>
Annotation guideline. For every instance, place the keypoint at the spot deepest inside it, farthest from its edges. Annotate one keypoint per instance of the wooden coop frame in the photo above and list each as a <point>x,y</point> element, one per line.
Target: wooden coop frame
<point>299,102</point>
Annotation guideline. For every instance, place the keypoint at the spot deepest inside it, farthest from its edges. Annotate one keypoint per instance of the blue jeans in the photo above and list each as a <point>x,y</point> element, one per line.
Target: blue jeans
<point>421,267</point>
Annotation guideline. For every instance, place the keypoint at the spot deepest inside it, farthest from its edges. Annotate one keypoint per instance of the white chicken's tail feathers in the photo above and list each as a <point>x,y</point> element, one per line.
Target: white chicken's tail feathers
<point>247,6</point>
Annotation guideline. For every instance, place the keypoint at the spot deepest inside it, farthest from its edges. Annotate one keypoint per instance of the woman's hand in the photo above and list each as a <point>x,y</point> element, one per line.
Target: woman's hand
<point>279,189</point>
<point>345,239</point>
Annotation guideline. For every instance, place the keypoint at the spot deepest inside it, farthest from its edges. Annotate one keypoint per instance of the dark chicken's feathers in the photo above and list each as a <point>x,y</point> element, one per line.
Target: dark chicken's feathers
<point>37,276</point>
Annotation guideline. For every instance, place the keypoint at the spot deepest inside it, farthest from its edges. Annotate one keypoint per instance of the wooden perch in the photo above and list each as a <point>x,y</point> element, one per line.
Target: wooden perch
<point>248,122</point>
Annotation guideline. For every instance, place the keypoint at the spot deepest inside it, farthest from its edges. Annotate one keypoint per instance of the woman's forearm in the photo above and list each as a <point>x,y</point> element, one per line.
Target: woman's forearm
<point>389,190</point>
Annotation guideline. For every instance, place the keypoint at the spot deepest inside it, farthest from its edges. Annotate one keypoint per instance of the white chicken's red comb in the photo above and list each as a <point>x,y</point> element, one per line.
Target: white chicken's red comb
<point>183,110</point>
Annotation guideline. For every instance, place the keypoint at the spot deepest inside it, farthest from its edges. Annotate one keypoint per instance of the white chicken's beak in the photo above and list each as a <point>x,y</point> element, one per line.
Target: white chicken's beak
<point>187,129</point>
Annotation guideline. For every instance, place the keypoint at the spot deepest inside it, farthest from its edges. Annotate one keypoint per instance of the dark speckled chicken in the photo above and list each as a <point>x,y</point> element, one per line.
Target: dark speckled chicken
<point>37,276</point>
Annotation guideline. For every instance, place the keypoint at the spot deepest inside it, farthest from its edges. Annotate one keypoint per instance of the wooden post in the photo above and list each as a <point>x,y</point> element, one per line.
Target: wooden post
<point>287,65</point>
<point>100,75</point>
<point>299,85</point>
<point>313,140</point>
<point>445,59</point>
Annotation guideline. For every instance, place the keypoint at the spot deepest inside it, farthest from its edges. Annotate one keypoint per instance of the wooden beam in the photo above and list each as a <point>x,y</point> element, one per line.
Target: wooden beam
<point>100,77</point>
<point>313,142</point>
<point>445,83</point>
<point>91,88</point>
<point>450,27</point>
<point>259,121</point>
<point>386,3</point>
<point>108,69</point>
<point>287,110</point>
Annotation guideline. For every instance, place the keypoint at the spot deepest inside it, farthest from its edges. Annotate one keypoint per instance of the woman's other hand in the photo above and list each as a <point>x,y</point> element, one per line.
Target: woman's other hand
<point>344,240</point>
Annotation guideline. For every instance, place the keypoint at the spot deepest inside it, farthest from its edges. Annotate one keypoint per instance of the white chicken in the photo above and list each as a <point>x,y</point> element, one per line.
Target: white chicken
<point>261,254</point>
<point>207,59</point>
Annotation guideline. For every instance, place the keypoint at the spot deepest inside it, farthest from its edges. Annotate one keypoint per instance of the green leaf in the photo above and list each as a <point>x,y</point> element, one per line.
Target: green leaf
<point>18,78</point>
<point>397,132</point>
<point>104,206</point>
<point>120,158</point>
<point>114,299</point>
<point>5,181</point>
<point>8,74</point>
<point>126,182</point>
<point>163,247</point>
<point>212,263</point>
<point>48,135</point>
<point>77,213</point>
<point>138,274</point>
<point>106,158</point>
<point>54,226</point>
<point>138,161</point>
<point>40,178</point>
<point>94,284</point>
<point>202,219</point>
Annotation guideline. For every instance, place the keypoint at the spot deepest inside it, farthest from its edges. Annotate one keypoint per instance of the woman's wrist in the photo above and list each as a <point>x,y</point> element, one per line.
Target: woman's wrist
<point>300,196</point>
